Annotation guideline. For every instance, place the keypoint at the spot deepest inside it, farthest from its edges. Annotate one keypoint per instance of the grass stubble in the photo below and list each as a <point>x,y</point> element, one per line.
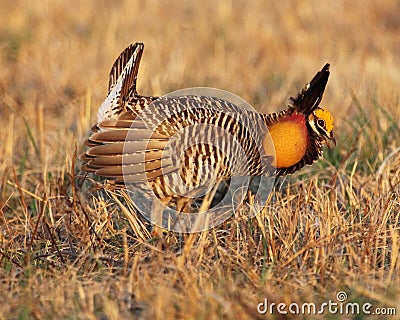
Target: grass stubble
<point>66,252</point>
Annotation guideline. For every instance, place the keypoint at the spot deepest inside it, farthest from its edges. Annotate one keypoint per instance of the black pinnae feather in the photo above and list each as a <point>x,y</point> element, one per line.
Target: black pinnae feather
<point>309,98</point>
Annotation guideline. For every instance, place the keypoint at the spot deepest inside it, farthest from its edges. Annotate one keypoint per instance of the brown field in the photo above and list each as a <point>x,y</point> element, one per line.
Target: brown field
<point>331,227</point>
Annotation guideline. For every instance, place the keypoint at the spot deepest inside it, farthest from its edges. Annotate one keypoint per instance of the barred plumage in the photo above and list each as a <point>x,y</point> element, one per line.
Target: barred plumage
<point>183,145</point>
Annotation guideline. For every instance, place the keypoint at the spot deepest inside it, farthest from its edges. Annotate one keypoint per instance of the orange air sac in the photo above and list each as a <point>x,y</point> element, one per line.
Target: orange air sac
<point>290,138</point>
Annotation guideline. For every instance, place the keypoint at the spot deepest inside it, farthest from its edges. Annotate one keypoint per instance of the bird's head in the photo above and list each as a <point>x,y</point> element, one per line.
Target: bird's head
<point>321,124</point>
<point>300,132</point>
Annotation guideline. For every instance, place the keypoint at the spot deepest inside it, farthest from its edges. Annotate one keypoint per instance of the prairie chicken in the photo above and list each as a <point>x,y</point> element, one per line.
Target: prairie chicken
<point>180,147</point>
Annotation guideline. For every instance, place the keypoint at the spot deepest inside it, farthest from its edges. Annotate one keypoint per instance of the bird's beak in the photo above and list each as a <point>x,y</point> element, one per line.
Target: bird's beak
<point>330,142</point>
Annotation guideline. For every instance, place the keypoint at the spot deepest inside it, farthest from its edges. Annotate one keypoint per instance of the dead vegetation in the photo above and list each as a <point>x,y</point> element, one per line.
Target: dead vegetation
<point>66,252</point>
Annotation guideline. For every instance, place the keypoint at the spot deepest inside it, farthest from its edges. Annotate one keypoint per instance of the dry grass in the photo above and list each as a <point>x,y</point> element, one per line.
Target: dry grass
<point>333,227</point>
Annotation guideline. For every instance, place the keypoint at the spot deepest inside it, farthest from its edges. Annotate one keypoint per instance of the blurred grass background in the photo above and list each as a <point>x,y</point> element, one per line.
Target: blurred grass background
<point>333,227</point>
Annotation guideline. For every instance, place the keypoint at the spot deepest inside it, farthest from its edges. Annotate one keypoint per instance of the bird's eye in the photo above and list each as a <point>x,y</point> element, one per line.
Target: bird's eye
<point>321,123</point>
